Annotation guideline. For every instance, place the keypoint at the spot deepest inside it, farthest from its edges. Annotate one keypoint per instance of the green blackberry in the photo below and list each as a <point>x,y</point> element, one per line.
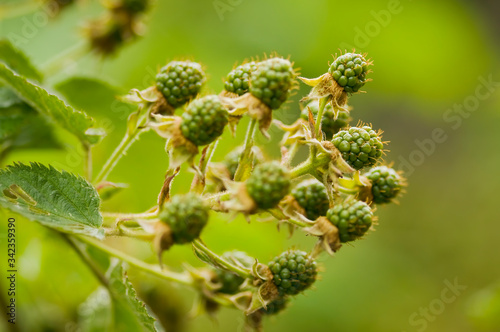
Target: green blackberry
<point>275,306</point>
<point>271,81</point>
<point>352,218</point>
<point>231,282</point>
<point>268,184</point>
<point>312,197</point>
<point>360,147</point>
<point>349,71</point>
<point>386,184</point>
<point>186,215</point>
<point>329,125</point>
<point>204,120</point>
<point>180,81</point>
<point>237,81</point>
<point>293,271</point>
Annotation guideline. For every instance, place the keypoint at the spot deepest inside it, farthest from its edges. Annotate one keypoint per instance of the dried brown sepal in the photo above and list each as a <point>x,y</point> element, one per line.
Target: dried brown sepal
<point>161,105</point>
<point>163,239</point>
<point>164,194</point>
<point>328,236</point>
<point>179,148</point>
<point>267,290</point>
<point>256,109</point>
<point>293,133</point>
<point>325,86</point>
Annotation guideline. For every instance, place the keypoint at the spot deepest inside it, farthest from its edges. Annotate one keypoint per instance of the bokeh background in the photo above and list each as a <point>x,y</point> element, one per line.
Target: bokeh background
<point>430,58</point>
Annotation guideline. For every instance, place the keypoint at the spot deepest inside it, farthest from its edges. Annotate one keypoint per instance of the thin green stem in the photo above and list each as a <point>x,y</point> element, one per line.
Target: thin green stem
<point>310,166</point>
<point>214,200</point>
<point>181,278</point>
<point>87,150</point>
<point>198,244</point>
<point>120,150</point>
<point>86,259</point>
<point>276,213</point>
<point>247,149</point>
<point>145,215</point>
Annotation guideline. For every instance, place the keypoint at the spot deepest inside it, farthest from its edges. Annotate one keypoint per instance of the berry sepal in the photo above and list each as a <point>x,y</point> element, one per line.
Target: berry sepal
<point>179,148</point>
<point>328,235</point>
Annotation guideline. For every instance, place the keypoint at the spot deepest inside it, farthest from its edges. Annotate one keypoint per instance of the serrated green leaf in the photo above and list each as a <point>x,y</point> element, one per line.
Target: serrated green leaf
<point>18,61</point>
<point>76,122</point>
<point>130,313</point>
<point>59,200</point>
<point>21,126</point>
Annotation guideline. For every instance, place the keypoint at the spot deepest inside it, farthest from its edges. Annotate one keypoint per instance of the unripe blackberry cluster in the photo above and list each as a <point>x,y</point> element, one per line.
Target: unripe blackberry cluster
<point>386,184</point>
<point>271,81</point>
<point>330,124</point>
<point>180,81</point>
<point>360,147</point>
<point>238,80</point>
<point>312,197</point>
<point>293,272</point>
<point>349,71</point>
<point>186,216</point>
<point>268,184</point>
<point>204,120</point>
<point>352,218</point>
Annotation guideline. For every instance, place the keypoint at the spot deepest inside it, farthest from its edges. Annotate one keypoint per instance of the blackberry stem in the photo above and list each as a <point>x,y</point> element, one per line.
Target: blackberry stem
<point>310,165</point>
<point>87,151</point>
<point>198,244</point>
<point>131,135</point>
<point>247,149</point>
<point>181,278</point>
<point>321,110</point>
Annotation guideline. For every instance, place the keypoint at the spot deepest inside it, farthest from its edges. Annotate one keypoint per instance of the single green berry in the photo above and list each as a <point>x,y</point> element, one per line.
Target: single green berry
<point>238,80</point>
<point>293,272</point>
<point>186,215</point>
<point>386,184</point>
<point>360,147</point>
<point>329,124</point>
<point>312,197</point>
<point>230,282</point>
<point>204,120</point>
<point>349,71</point>
<point>268,184</point>
<point>180,81</point>
<point>271,81</point>
<point>353,218</point>
<point>275,306</point>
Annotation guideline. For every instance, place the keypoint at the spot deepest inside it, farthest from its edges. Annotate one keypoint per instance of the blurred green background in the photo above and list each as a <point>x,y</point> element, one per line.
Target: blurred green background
<point>429,57</point>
